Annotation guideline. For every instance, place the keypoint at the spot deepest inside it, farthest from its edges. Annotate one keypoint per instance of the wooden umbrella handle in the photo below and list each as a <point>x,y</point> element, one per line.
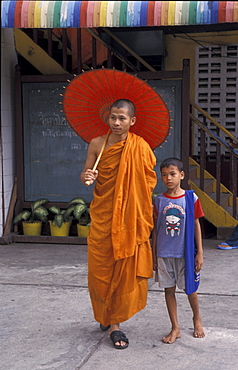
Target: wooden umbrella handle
<point>87,183</point>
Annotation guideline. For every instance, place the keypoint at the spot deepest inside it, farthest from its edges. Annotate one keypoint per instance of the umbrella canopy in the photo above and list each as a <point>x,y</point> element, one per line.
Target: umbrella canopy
<point>89,96</point>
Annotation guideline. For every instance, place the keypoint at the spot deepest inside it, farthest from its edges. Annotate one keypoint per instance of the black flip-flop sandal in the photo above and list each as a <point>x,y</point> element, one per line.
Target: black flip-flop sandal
<point>118,336</point>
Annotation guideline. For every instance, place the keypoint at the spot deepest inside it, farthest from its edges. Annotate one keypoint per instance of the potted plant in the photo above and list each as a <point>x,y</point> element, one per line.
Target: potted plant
<point>60,225</point>
<point>32,220</point>
<point>81,213</point>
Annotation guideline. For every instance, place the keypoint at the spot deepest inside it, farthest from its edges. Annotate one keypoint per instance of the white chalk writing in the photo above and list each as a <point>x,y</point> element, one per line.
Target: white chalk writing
<point>57,133</point>
<point>76,146</point>
<point>55,120</point>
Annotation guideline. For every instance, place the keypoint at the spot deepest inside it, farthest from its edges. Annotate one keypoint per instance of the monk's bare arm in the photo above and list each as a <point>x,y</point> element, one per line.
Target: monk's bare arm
<point>93,150</point>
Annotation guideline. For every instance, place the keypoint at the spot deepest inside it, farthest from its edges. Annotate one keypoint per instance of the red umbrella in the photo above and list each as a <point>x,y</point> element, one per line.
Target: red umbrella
<point>89,96</point>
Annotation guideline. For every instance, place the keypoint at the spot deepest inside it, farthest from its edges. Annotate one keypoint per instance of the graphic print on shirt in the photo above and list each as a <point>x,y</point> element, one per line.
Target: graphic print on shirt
<point>173,215</point>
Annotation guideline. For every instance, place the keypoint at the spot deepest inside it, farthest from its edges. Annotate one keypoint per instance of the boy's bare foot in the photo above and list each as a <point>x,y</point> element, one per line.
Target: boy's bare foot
<point>172,336</point>
<point>198,328</point>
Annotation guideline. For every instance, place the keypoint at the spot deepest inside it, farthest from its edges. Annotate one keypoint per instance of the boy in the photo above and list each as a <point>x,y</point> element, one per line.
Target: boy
<point>168,244</point>
<point>119,252</point>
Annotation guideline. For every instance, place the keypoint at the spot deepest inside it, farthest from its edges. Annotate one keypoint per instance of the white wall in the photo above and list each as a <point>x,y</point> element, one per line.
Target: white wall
<point>7,130</point>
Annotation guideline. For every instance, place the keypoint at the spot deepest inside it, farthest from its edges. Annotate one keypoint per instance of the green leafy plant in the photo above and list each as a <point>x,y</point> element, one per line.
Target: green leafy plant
<point>81,211</point>
<point>37,213</point>
<point>60,215</point>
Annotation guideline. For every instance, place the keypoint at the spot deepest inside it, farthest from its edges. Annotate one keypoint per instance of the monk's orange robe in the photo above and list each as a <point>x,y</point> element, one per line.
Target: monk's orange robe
<point>119,251</point>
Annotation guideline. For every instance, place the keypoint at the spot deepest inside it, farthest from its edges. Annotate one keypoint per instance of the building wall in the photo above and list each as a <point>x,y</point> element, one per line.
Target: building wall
<point>7,141</point>
<point>183,46</point>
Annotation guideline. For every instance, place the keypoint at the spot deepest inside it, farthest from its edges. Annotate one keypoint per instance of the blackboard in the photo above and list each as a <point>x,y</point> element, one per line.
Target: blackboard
<point>54,154</point>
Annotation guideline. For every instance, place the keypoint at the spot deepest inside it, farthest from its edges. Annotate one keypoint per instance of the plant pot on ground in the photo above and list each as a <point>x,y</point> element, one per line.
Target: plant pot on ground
<point>32,220</point>
<point>81,213</point>
<point>60,225</point>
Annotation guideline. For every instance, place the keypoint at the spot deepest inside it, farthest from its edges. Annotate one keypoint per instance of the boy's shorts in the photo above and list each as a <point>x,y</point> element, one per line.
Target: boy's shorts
<point>171,272</point>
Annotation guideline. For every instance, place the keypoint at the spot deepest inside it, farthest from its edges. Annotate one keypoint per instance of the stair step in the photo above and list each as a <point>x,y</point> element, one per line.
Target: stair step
<point>193,172</point>
<point>208,185</point>
<point>230,211</point>
<point>224,199</point>
<point>221,216</point>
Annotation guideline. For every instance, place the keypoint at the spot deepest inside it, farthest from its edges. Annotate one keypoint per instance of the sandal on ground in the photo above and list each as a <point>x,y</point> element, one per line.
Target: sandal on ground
<point>104,328</point>
<point>119,336</point>
<point>225,246</point>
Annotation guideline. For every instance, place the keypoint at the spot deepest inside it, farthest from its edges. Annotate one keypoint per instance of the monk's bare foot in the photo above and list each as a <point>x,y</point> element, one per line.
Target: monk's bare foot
<point>172,336</point>
<point>198,328</point>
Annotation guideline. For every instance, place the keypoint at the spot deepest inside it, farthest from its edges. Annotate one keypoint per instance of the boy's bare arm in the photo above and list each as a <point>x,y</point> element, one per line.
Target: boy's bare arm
<point>198,239</point>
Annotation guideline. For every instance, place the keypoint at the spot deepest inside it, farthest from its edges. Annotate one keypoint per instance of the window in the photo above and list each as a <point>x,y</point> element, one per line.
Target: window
<point>217,89</point>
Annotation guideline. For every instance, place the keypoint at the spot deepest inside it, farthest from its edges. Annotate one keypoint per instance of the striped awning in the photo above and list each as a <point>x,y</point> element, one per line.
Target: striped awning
<point>80,14</point>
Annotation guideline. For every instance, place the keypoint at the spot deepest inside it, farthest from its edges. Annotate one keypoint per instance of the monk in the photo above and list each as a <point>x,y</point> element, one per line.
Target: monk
<point>119,251</point>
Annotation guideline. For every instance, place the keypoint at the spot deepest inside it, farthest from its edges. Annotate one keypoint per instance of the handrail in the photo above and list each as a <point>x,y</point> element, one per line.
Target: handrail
<point>217,124</point>
<point>214,136</point>
<point>112,49</point>
<point>126,47</point>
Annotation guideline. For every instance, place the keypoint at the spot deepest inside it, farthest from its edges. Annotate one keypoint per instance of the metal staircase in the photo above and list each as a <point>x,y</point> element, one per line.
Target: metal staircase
<point>62,51</point>
<point>220,215</point>
<point>36,55</point>
<point>219,203</point>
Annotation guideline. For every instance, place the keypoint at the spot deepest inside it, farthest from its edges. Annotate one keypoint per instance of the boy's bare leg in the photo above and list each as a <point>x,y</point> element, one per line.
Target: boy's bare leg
<point>197,322</point>
<point>114,327</point>
<point>172,310</point>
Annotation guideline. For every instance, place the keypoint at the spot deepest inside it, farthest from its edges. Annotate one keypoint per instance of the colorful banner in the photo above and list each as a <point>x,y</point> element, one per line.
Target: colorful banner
<point>81,14</point>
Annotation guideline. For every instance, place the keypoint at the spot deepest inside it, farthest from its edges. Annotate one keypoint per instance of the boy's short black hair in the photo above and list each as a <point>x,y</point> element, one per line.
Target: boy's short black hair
<point>125,103</point>
<point>172,162</point>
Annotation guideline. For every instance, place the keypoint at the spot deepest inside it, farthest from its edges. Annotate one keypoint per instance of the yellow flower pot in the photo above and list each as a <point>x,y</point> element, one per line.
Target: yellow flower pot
<point>60,231</point>
<point>32,228</point>
<point>82,230</point>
